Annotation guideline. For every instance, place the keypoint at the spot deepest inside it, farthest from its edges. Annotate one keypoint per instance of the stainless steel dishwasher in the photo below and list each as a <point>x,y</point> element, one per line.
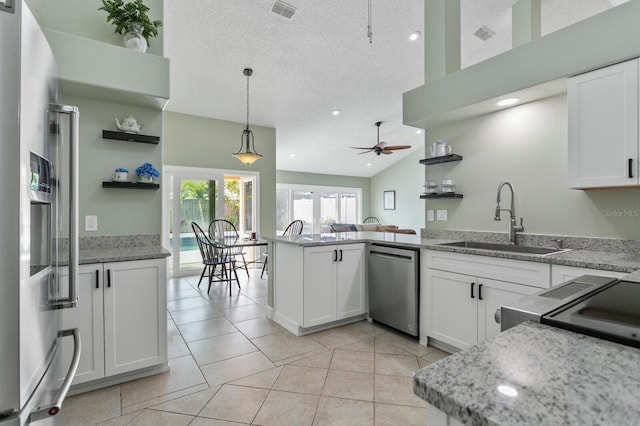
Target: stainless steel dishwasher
<point>393,277</point>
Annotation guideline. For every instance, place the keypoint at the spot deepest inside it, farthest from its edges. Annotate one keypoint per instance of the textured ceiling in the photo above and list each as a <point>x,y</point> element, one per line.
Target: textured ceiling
<point>319,61</point>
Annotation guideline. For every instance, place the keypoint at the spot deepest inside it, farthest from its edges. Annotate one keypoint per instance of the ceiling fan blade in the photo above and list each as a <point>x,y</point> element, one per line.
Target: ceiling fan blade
<point>393,147</point>
<point>359,147</point>
<point>364,152</point>
<point>386,151</point>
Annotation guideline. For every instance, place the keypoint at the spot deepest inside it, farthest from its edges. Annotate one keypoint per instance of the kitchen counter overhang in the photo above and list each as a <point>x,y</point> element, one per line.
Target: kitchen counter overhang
<point>534,374</point>
<point>606,261</point>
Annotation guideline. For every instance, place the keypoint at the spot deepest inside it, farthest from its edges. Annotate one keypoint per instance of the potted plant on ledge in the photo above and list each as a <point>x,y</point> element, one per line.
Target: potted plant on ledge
<point>131,20</point>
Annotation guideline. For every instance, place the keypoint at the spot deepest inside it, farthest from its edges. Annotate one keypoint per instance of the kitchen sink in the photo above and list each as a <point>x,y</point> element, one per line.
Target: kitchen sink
<point>544,251</point>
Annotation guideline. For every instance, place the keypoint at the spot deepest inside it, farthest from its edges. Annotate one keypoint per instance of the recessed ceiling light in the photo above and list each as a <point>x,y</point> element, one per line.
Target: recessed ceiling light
<point>368,164</point>
<point>292,155</point>
<point>414,35</point>
<point>419,131</point>
<point>508,101</point>
<point>335,112</point>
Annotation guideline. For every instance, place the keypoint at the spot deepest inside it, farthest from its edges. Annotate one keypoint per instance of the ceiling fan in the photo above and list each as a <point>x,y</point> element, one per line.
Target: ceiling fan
<point>381,147</point>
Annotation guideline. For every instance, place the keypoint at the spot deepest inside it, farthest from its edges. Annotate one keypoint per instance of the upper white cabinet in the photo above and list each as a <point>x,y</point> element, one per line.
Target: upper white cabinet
<point>603,127</point>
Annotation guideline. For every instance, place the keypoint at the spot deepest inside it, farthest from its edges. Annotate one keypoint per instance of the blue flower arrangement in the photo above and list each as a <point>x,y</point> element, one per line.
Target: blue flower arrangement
<point>147,170</point>
<point>121,170</point>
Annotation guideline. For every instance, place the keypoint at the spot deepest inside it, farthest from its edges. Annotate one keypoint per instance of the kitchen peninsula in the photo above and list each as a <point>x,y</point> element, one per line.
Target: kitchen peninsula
<point>610,257</point>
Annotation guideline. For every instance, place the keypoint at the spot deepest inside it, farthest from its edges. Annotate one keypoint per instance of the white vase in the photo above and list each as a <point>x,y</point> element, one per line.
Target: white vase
<point>145,179</point>
<point>134,39</point>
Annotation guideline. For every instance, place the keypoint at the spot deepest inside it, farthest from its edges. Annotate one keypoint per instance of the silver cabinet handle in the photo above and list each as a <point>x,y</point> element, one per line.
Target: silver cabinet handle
<point>54,408</point>
<point>74,139</point>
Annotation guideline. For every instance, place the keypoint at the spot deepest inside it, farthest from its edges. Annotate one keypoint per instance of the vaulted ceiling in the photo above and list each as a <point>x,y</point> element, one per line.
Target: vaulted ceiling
<point>322,60</point>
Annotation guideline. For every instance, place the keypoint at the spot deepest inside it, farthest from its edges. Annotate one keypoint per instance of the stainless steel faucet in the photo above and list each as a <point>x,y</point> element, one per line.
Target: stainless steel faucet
<point>513,228</point>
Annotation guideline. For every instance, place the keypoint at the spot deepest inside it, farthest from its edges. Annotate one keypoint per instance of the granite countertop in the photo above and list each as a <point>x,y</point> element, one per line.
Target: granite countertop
<point>561,378</point>
<point>117,254</point>
<point>592,259</point>
<point>120,254</point>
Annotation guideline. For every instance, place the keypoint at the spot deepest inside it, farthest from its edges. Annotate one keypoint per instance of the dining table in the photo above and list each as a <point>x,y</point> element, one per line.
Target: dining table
<point>245,242</point>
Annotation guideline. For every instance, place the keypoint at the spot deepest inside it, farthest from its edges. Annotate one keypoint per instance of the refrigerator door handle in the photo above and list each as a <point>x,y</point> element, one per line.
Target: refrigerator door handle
<point>54,408</point>
<point>74,143</point>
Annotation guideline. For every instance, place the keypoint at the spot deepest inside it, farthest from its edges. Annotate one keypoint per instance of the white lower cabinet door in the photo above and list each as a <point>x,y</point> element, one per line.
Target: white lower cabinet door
<point>135,316</point>
<point>319,299</point>
<point>452,311</point>
<point>86,317</point>
<point>491,295</point>
<point>350,281</point>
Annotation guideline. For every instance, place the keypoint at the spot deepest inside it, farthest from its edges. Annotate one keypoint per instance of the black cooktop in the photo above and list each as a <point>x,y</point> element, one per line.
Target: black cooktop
<point>612,312</point>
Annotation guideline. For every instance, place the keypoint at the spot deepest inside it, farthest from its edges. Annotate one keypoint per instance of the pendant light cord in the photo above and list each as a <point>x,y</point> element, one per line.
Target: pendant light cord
<point>369,33</point>
<point>248,101</point>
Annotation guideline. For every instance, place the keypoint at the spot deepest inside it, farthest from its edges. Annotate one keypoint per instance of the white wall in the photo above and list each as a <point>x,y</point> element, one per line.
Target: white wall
<point>526,145</point>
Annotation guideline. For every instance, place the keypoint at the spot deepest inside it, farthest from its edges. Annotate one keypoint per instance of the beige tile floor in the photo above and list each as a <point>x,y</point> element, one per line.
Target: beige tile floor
<point>230,365</point>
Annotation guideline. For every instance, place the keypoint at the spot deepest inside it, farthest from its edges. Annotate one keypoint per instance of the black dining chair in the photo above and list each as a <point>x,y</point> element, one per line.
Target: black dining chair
<point>371,219</point>
<point>220,229</point>
<point>294,228</point>
<point>213,255</point>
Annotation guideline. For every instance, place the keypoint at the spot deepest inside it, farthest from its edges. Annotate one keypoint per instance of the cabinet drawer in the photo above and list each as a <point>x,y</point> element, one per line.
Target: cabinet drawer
<point>516,271</point>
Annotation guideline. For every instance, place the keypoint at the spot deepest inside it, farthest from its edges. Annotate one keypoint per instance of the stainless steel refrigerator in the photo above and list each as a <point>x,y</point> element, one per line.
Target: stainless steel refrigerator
<point>38,205</point>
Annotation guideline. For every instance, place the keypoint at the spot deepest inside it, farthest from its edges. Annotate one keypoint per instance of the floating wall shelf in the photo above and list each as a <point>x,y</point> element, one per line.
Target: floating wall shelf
<point>130,185</point>
<point>441,195</point>
<point>131,137</point>
<point>441,159</point>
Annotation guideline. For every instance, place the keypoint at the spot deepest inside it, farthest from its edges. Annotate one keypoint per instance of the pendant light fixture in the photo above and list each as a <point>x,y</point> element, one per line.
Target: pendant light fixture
<point>250,154</point>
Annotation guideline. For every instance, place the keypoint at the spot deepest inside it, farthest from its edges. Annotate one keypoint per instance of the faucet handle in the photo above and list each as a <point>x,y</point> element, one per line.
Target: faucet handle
<point>558,242</point>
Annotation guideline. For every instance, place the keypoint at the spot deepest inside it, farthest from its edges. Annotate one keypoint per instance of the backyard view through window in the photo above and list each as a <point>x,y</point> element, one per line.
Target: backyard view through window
<point>201,200</point>
<point>317,207</point>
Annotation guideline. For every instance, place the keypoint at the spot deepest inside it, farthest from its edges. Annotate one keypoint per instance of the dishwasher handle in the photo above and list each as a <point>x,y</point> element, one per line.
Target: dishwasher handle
<point>391,256</point>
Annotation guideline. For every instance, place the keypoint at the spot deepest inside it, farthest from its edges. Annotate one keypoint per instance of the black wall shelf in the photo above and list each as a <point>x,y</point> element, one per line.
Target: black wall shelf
<point>130,185</point>
<point>441,195</point>
<point>130,137</point>
<point>441,159</point>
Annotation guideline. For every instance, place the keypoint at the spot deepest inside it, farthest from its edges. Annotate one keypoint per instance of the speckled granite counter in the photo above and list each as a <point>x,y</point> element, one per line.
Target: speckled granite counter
<point>623,261</point>
<point>561,378</point>
<point>122,254</point>
<point>115,248</point>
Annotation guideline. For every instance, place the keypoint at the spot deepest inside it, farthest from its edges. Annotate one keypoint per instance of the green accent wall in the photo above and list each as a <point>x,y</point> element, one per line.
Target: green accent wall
<point>526,145</point>
<point>119,211</point>
<point>406,178</point>
<point>193,141</point>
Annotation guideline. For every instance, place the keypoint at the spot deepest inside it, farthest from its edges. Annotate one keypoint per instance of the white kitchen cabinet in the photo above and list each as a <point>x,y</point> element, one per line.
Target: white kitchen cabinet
<point>603,127</point>
<point>122,319</point>
<point>461,307</point>
<point>561,273</point>
<point>318,285</point>
<point>333,283</point>
<point>458,308</point>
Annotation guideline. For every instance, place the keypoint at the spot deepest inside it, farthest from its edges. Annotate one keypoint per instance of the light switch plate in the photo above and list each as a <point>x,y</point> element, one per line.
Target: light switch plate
<point>91,223</point>
<point>441,214</point>
<point>431,215</point>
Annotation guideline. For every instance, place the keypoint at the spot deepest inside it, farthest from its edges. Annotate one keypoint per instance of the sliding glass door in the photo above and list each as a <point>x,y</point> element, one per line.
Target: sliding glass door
<point>200,196</point>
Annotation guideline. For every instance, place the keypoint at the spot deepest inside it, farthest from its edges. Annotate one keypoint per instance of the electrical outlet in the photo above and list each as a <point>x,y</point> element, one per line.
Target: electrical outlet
<point>431,215</point>
<point>91,223</point>
<point>441,214</point>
